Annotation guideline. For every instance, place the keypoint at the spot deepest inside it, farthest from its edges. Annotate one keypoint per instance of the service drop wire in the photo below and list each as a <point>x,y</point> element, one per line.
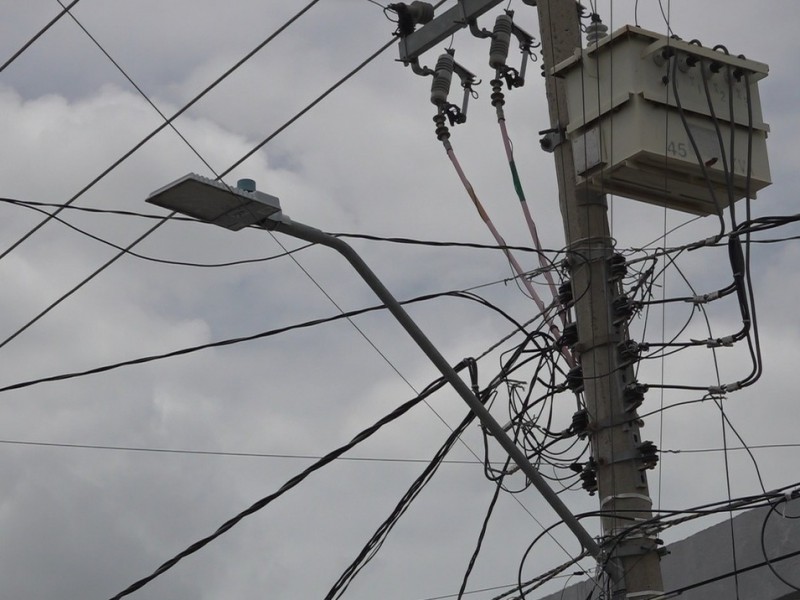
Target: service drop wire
<point>673,75</point>
<point>375,542</point>
<point>501,121</point>
<point>501,242</point>
<point>291,483</point>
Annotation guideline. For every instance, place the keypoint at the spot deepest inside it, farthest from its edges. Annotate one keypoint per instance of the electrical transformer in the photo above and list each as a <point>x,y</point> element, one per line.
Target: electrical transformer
<point>665,121</point>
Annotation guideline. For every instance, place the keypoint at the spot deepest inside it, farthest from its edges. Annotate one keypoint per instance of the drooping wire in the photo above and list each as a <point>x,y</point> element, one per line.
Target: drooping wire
<point>247,261</point>
<point>161,127</point>
<point>373,545</point>
<point>291,483</point>
<point>497,100</point>
<point>533,294</point>
<point>146,234</point>
<point>221,343</point>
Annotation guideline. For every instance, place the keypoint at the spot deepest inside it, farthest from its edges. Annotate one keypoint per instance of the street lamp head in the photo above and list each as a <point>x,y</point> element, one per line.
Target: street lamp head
<point>215,202</point>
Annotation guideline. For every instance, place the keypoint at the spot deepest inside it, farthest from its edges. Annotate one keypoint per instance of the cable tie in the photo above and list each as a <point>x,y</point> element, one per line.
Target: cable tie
<point>703,298</point>
<point>726,341</point>
<point>711,241</point>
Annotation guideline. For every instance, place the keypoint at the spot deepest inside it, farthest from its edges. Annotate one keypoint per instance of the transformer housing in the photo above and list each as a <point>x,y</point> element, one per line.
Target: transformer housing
<point>633,137</point>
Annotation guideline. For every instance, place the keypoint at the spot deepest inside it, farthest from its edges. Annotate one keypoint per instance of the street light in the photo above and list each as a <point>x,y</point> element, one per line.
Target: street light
<point>236,208</point>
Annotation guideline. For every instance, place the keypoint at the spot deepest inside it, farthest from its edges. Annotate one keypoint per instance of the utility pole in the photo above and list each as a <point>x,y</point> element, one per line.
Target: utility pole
<point>619,457</point>
<point>610,390</point>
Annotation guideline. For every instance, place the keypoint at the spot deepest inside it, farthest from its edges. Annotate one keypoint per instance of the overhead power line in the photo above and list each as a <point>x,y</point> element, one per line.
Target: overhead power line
<point>147,233</point>
<point>291,483</point>
<point>39,34</point>
<point>229,342</point>
<point>161,127</point>
<point>271,455</point>
<point>137,88</point>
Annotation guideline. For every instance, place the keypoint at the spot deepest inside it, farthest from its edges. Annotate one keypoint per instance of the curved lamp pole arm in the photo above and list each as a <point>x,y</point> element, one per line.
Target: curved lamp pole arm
<point>283,224</point>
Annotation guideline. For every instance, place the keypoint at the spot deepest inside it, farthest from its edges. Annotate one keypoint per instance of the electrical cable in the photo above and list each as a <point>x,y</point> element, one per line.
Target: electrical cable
<point>316,101</point>
<point>402,240</point>
<point>35,206</point>
<point>731,448</point>
<point>673,72</point>
<point>84,281</point>
<point>497,100</point>
<point>39,34</point>
<point>678,591</point>
<point>158,129</point>
<point>136,87</point>
<point>373,545</point>
<point>40,206</point>
<point>769,561</point>
<point>222,343</point>
<point>146,234</point>
<point>274,455</point>
<point>291,483</point>
<point>481,534</point>
<point>501,242</point>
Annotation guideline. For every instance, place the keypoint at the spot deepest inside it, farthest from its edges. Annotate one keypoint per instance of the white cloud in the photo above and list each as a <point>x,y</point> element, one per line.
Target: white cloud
<point>86,523</point>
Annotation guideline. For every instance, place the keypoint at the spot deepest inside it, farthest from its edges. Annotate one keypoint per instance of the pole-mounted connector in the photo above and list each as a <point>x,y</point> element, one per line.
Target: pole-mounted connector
<point>551,139</point>
<point>633,396</point>
<point>588,474</point>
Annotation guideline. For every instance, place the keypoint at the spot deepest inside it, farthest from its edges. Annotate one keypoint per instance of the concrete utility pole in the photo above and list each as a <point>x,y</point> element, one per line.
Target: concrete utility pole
<point>616,444</point>
<point>610,390</point>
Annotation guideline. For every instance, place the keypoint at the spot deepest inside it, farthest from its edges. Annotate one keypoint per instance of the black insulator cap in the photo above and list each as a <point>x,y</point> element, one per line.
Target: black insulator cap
<point>565,293</point>
<point>575,379</point>
<point>580,423</point>
<point>617,266</point>
<point>569,336</point>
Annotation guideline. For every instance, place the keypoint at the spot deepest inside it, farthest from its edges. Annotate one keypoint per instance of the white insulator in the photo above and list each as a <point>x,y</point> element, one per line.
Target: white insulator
<point>596,31</point>
<point>442,76</point>
<point>501,41</point>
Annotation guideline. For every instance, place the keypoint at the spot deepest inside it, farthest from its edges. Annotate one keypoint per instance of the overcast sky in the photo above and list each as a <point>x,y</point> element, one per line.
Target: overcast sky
<point>87,522</point>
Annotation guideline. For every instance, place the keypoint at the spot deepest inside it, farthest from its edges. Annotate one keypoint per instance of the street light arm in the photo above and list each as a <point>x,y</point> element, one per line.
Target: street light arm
<point>283,224</point>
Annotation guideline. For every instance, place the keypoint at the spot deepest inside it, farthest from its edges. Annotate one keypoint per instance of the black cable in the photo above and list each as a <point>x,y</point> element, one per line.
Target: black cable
<point>221,343</point>
<point>39,206</point>
<point>247,261</point>
<point>39,34</point>
<point>291,483</point>
<point>435,243</point>
<point>158,129</point>
<point>319,99</point>
<point>375,542</point>
<point>686,588</point>
<point>768,560</point>
<point>146,234</point>
<point>137,88</point>
<point>101,211</point>
<point>482,534</point>
<point>84,281</point>
<point>712,194</point>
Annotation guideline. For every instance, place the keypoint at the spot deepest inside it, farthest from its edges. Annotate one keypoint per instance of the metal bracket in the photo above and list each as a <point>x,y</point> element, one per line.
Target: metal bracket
<point>551,139</point>
<point>442,27</point>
